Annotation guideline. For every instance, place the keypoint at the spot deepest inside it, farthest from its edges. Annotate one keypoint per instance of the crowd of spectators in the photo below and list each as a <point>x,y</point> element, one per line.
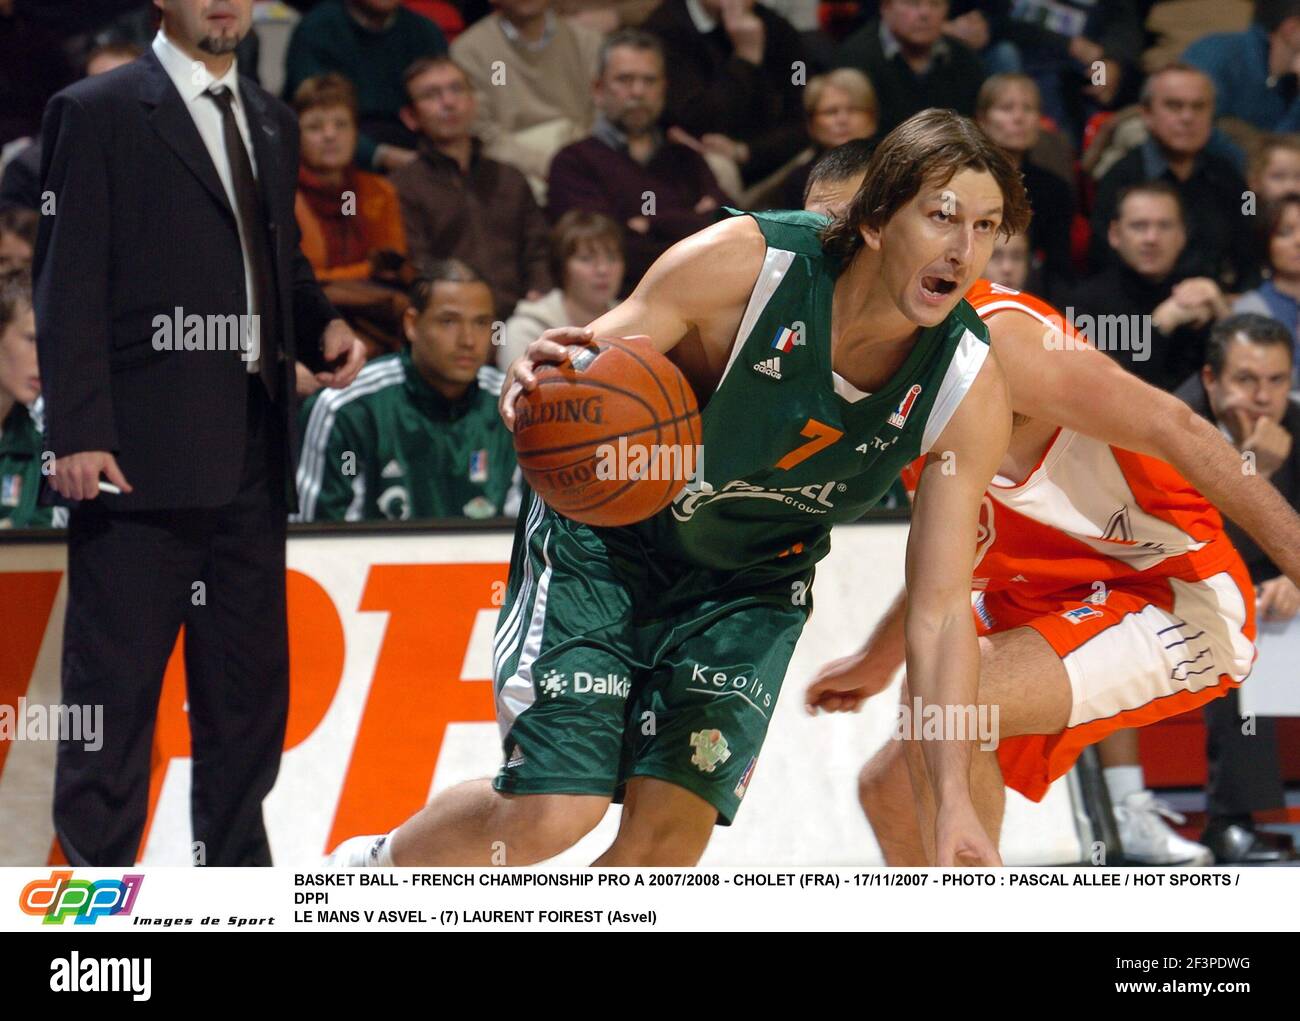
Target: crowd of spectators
<point>556,148</point>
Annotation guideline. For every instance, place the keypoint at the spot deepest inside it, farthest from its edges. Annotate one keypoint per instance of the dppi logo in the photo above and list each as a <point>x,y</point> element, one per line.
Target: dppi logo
<point>61,896</point>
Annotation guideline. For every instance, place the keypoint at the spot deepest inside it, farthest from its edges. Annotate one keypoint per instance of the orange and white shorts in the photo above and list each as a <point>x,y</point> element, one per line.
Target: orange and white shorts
<point>1155,648</point>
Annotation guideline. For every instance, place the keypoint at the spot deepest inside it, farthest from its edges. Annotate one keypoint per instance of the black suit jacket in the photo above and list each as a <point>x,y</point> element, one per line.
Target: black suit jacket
<point>1286,479</point>
<point>142,227</point>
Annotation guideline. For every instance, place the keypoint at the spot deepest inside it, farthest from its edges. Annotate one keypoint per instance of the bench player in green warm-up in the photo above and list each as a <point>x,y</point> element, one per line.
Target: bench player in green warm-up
<point>644,662</point>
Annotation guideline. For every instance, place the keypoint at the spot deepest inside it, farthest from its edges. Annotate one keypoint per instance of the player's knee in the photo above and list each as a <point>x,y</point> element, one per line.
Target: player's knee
<point>540,826</point>
<point>663,841</point>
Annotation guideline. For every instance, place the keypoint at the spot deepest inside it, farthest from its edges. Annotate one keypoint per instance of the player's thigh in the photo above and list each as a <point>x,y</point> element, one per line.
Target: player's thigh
<point>1024,678</point>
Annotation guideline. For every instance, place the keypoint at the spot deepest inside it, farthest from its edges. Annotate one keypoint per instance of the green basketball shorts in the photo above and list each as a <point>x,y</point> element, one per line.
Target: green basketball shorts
<point>590,693</point>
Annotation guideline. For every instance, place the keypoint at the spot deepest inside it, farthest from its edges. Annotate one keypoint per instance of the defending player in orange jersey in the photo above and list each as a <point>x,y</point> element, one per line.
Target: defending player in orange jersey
<point>1108,596</point>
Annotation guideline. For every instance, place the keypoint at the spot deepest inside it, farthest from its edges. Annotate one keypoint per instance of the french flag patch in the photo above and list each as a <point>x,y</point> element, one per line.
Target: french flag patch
<point>478,465</point>
<point>899,418</point>
<point>785,339</point>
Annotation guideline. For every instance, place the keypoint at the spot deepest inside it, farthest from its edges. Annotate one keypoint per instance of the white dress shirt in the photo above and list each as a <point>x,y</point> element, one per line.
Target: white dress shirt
<point>192,79</point>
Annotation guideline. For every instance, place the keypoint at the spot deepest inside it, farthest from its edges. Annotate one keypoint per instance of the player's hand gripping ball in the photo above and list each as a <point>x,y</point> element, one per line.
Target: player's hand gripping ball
<point>611,435</point>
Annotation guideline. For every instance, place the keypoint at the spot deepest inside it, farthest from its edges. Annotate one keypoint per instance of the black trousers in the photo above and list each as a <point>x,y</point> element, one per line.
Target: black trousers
<point>133,579</point>
<point>1245,772</point>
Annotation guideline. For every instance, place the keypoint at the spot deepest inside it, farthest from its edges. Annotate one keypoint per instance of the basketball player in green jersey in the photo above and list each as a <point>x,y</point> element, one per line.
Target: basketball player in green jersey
<point>644,662</point>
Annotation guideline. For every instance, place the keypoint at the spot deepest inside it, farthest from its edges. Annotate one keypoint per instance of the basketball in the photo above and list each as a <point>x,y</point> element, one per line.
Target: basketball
<point>611,435</point>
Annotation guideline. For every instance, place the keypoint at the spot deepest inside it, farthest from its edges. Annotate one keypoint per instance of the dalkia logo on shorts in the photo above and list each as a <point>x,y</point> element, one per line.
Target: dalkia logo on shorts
<point>710,750</point>
<point>61,897</point>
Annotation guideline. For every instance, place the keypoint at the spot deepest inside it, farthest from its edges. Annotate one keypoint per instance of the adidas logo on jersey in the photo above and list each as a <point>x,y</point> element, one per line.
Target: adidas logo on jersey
<point>770,367</point>
<point>392,470</point>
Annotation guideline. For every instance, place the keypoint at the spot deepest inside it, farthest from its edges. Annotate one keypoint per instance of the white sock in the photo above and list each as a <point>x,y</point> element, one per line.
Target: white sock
<point>1122,781</point>
<point>385,857</point>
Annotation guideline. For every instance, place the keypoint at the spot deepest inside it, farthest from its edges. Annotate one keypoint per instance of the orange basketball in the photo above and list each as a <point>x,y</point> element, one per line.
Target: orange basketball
<point>611,435</point>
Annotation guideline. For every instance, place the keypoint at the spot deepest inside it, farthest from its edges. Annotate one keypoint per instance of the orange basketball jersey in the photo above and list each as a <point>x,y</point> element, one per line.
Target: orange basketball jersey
<point>1088,512</point>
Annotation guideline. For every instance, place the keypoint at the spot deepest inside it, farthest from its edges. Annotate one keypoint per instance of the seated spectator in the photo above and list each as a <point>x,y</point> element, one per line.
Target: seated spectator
<point>587,258</point>
<point>1274,168</point>
<point>371,43</point>
<point>1160,321</point>
<point>733,86</point>
<point>911,63</point>
<point>1254,71</point>
<point>350,222</point>
<point>839,106</point>
<point>532,71</point>
<point>627,159</point>
<point>1010,263</point>
<point>1177,103</point>
<point>1242,388</point>
<point>17,238</point>
<point>1278,297</point>
<point>457,202</point>
<point>417,435</point>
<point>1084,55</point>
<point>346,215</point>
<point>21,183</point>
<point>1008,110</point>
<point>836,177</point>
<point>20,389</point>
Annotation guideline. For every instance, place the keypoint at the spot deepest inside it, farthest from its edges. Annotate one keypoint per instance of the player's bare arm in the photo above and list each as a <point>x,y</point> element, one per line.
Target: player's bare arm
<point>1084,390</point>
<point>690,302</point>
<point>942,649</point>
<point>844,684</point>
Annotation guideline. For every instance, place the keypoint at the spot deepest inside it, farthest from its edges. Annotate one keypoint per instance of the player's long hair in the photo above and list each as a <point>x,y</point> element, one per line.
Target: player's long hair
<point>930,146</point>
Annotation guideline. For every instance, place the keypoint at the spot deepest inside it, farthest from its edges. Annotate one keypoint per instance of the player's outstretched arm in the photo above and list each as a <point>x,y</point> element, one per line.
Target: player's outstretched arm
<point>1087,391</point>
<point>842,685</point>
<point>698,286</point>
<point>942,649</point>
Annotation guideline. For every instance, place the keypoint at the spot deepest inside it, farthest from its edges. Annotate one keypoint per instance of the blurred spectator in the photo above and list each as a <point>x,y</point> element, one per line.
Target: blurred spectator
<point>606,16</point>
<point>1278,297</point>
<point>1008,109</point>
<point>1160,322</point>
<point>456,202</point>
<point>735,81</point>
<point>912,64</point>
<point>21,183</point>
<point>587,258</point>
<point>1274,168</point>
<point>1009,264</point>
<point>532,71</point>
<point>836,177</point>
<point>371,43</point>
<point>1177,103</point>
<point>1083,55</point>
<point>349,219</point>
<point>17,238</point>
<point>660,191</point>
<point>839,106</point>
<point>1254,72</point>
<point>417,435</point>
<point>1242,388</point>
<point>21,442</point>
<point>345,214</point>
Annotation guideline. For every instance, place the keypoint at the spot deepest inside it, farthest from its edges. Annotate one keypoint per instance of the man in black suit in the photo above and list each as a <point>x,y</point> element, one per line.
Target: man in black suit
<point>171,303</point>
<point>1243,389</point>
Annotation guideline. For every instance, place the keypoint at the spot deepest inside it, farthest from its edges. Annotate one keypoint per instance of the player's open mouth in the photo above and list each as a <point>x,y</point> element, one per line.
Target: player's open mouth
<point>935,288</point>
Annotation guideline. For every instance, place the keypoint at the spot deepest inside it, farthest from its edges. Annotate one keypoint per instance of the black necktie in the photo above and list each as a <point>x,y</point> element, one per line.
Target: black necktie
<point>252,220</point>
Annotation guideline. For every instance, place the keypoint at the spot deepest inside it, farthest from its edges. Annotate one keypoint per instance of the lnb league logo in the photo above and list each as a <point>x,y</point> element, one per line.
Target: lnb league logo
<point>61,897</point>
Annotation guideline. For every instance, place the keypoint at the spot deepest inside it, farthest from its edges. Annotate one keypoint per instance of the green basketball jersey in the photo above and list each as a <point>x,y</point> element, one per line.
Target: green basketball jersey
<point>790,448</point>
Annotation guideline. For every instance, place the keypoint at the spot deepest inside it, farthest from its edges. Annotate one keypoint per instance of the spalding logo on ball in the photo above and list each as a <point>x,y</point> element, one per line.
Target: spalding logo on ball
<point>611,435</point>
